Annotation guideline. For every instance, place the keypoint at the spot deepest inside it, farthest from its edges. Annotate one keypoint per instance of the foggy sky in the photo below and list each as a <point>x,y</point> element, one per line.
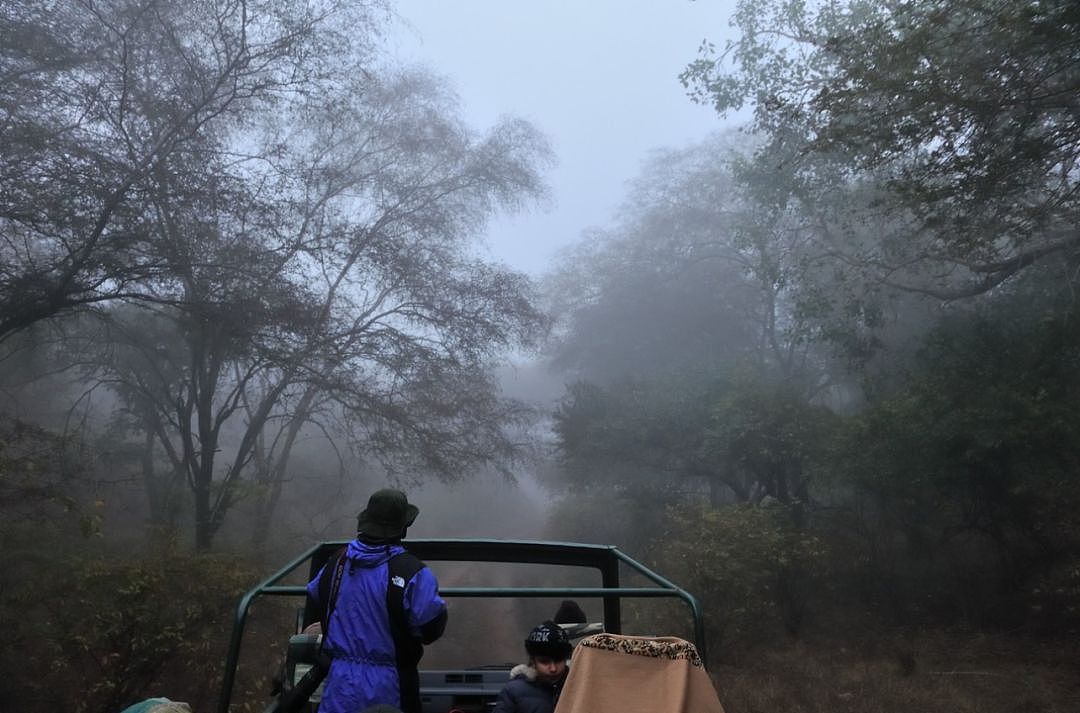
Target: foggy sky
<point>598,77</point>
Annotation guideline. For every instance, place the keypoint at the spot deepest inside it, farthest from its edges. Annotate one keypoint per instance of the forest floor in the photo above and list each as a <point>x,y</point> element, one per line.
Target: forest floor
<point>928,673</point>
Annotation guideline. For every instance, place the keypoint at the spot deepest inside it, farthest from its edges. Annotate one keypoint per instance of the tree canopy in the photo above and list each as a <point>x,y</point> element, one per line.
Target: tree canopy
<point>275,229</point>
<point>964,113</point>
<point>875,294</point>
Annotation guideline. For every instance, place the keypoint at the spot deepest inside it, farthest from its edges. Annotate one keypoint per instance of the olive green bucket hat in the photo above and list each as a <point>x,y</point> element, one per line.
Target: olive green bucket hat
<point>387,514</point>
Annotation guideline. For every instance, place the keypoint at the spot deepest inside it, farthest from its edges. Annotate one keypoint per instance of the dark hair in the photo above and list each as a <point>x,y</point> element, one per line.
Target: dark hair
<point>569,613</point>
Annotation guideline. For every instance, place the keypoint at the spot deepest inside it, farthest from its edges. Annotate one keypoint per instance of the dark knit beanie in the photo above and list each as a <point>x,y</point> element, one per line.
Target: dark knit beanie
<point>548,640</point>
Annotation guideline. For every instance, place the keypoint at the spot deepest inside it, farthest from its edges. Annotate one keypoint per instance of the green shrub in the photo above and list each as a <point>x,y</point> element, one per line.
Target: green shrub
<point>750,566</point>
<point>106,632</point>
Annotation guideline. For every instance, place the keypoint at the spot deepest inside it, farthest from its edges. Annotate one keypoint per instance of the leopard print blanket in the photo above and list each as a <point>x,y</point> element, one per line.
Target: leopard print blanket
<point>610,673</point>
<point>667,647</point>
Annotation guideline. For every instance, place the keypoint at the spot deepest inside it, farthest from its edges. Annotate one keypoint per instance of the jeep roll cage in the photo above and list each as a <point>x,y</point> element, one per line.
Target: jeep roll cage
<point>605,558</point>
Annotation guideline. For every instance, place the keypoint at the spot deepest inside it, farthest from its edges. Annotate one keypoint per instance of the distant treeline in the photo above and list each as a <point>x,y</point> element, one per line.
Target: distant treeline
<point>825,369</point>
<point>821,372</point>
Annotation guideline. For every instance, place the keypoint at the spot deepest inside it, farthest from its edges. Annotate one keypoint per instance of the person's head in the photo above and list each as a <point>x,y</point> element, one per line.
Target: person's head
<point>387,516</point>
<point>548,649</point>
<point>569,613</point>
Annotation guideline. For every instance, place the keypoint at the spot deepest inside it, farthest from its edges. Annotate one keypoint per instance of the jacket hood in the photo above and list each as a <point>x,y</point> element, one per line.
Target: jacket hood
<point>367,555</point>
<point>527,672</point>
<point>523,670</point>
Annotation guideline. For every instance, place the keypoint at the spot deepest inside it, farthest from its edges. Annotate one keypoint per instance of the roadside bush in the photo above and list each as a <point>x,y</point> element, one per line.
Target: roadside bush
<point>1055,600</point>
<point>110,632</point>
<point>751,567</point>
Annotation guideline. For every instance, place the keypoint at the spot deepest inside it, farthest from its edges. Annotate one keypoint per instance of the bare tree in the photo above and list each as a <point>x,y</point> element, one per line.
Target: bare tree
<point>334,264</point>
<point>97,97</point>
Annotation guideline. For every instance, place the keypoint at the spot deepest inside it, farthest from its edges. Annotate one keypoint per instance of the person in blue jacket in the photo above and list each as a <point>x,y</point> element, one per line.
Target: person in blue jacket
<point>535,687</point>
<point>383,606</point>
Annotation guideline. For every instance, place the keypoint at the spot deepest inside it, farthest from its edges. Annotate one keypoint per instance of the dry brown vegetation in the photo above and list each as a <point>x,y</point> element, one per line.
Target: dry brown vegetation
<point>932,672</point>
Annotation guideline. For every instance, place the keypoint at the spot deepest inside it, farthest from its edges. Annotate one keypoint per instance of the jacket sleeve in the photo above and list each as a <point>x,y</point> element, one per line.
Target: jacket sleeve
<point>313,589</point>
<point>431,631</point>
<point>427,610</point>
<point>505,703</point>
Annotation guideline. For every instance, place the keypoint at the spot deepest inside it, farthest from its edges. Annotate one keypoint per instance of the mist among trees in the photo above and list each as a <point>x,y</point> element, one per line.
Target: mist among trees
<point>820,370</point>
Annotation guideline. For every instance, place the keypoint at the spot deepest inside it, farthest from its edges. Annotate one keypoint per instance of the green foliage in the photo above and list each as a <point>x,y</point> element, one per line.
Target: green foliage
<point>909,198</point>
<point>773,434</point>
<point>44,477</point>
<point>111,631</point>
<point>753,566</point>
<point>633,431</point>
<point>181,166</point>
<point>928,149</point>
<point>626,451</point>
<point>677,437</point>
<point>1054,599</point>
<point>958,114</point>
<point>969,467</point>
<point>628,517</point>
<point>667,277</point>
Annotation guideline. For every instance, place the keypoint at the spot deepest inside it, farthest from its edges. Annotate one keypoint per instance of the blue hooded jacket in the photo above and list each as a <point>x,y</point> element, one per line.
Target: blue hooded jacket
<point>364,669</point>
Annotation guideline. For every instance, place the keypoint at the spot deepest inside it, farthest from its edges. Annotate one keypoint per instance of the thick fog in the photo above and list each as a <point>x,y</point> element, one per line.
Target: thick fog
<point>599,79</point>
<point>777,297</point>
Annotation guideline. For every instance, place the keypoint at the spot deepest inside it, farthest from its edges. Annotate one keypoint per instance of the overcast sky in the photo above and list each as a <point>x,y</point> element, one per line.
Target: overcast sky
<point>598,77</point>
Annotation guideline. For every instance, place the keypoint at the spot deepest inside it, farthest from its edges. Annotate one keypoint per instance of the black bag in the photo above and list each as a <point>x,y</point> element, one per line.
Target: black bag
<point>298,695</point>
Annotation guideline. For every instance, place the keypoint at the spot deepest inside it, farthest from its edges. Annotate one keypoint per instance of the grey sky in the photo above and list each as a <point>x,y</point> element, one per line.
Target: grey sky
<point>598,77</point>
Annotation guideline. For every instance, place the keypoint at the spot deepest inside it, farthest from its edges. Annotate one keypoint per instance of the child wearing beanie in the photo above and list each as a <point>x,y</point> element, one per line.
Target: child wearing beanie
<point>535,687</point>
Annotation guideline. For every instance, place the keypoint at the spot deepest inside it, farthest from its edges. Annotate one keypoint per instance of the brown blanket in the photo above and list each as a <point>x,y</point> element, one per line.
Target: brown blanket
<point>637,674</point>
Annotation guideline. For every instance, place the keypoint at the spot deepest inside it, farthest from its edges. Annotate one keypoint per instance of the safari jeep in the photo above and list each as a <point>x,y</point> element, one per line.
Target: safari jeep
<point>455,690</point>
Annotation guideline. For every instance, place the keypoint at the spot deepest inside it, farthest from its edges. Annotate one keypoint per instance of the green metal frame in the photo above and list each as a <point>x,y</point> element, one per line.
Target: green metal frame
<point>604,558</point>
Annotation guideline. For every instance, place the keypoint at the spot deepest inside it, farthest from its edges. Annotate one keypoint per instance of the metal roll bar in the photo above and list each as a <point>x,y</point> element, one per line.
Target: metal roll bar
<point>605,558</point>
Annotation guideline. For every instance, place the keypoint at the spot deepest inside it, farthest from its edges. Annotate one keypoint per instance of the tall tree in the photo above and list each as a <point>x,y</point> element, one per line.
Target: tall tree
<point>334,265</point>
<point>961,116</point>
<point>965,467</point>
<point>696,291</point>
<point>666,288</point>
<point>97,98</point>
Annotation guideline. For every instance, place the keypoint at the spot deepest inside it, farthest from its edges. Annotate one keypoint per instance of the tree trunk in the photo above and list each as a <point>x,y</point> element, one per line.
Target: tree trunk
<point>203,535</point>
<point>272,475</point>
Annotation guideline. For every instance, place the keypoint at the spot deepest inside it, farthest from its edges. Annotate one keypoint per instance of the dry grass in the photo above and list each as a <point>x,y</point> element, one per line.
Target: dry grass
<point>925,674</point>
